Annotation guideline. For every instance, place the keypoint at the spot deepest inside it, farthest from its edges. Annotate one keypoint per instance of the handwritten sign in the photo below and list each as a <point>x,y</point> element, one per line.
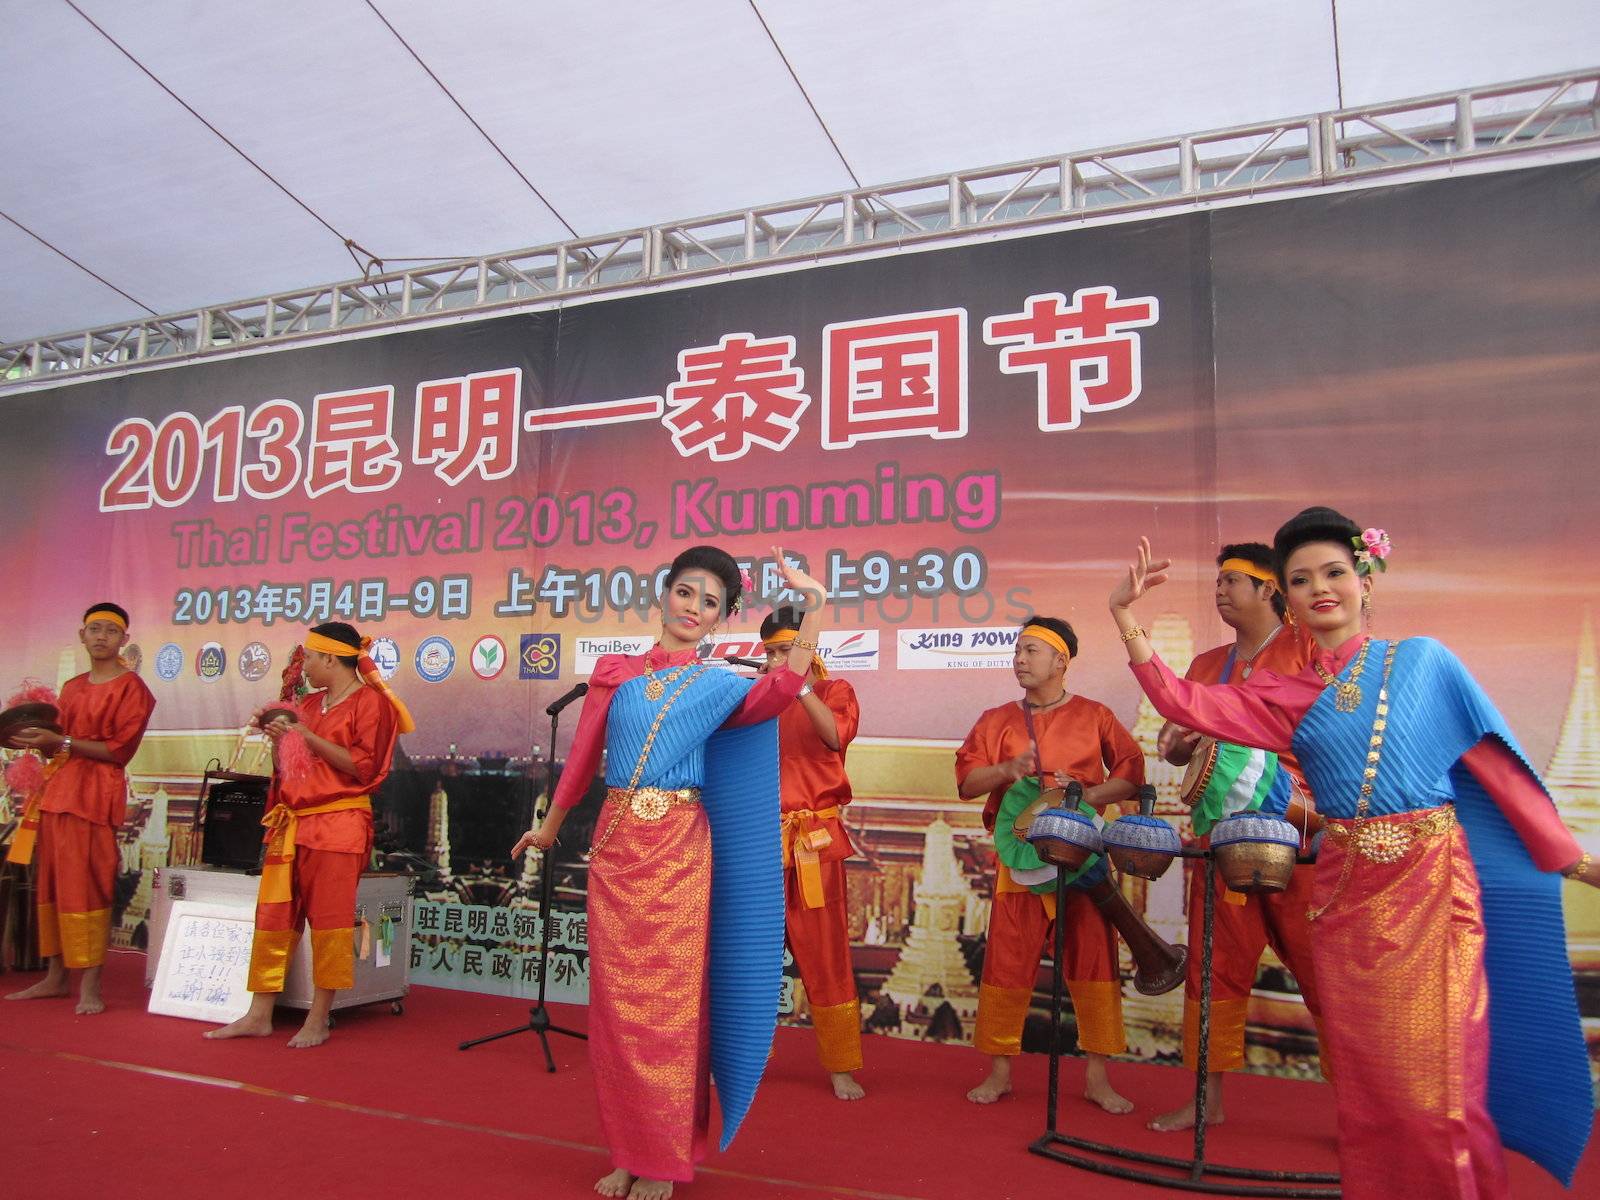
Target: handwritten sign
<point>205,962</point>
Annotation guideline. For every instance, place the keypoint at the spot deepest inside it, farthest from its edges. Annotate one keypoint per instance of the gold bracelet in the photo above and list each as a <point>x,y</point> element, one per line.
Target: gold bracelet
<point>804,645</point>
<point>1136,632</point>
<point>1580,867</point>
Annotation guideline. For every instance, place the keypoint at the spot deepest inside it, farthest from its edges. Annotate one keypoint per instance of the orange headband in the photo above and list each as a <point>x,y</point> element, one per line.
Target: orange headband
<point>1245,567</point>
<point>785,638</point>
<point>323,644</point>
<point>1048,636</point>
<point>105,614</point>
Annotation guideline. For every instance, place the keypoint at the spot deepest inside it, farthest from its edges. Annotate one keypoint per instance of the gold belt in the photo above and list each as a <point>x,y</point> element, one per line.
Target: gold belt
<point>1387,840</point>
<point>652,803</point>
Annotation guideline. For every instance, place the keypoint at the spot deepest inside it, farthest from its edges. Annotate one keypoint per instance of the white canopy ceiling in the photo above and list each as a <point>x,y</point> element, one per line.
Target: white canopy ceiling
<point>164,154</point>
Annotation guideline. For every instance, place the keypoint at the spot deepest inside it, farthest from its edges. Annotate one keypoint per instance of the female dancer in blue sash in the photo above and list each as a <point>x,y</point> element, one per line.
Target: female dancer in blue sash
<point>685,945</point>
<point>1441,960</point>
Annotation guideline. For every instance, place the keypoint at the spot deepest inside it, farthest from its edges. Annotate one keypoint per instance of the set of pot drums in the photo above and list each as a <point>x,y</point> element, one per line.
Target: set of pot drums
<point>1235,793</point>
<point>1224,785</point>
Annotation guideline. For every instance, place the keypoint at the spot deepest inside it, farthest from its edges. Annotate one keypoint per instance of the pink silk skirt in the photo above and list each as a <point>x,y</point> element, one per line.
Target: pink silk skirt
<point>1405,1013</point>
<point>649,1011</point>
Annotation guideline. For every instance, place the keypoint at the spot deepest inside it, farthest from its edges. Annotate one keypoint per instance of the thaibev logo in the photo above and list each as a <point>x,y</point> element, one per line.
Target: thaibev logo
<point>588,650</point>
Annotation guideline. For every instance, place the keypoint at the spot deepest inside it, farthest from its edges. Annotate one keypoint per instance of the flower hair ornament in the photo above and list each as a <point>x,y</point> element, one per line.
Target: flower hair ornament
<point>746,586</point>
<point>1372,551</point>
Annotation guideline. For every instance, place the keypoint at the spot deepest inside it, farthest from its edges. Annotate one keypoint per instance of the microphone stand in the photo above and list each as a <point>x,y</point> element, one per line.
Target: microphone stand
<point>539,1021</point>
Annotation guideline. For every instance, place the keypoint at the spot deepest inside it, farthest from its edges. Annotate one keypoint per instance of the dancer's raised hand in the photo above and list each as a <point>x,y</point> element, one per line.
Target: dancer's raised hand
<point>1144,574</point>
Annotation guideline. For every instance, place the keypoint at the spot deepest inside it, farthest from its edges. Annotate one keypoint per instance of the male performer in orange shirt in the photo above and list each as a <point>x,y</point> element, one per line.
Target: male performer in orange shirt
<point>1249,602</point>
<point>319,825</point>
<point>1076,739</point>
<point>813,737</point>
<point>103,717</point>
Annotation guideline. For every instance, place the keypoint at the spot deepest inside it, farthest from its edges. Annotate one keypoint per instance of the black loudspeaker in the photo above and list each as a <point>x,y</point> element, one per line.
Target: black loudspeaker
<point>231,807</point>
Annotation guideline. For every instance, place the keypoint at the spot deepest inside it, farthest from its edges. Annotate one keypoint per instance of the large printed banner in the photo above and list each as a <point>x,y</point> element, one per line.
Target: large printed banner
<point>950,439</point>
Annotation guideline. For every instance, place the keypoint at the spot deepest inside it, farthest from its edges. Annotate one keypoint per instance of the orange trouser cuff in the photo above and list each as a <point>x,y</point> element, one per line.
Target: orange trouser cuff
<point>1226,1049</point>
<point>333,958</point>
<point>84,937</point>
<point>1001,1013</point>
<point>838,1029</point>
<point>78,939</point>
<point>270,952</point>
<point>1097,1004</point>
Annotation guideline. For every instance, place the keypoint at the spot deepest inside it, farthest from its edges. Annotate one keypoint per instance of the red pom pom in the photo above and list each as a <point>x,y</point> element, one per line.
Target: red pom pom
<point>294,756</point>
<point>33,691</point>
<point>25,775</point>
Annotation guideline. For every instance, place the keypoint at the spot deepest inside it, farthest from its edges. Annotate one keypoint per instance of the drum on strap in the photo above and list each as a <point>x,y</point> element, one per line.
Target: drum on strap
<point>1024,801</point>
<point>1224,779</point>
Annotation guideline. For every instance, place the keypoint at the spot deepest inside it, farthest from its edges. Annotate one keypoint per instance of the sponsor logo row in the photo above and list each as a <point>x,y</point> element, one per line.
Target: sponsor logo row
<point>434,660</point>
<point>539,654</point>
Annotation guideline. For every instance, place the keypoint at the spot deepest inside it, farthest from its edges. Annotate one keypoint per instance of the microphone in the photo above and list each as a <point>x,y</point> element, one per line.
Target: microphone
<point>578,691</point>
<point>753,664</point>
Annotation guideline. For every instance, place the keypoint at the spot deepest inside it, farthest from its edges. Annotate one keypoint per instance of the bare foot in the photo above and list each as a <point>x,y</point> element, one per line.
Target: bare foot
<point>89,1003</point>
<point>845,1086</point>
<point>996,1085</point>
<point>615,1184</point>
<point>650,1189</point>
<point>248,1025</point>
<point>312,1033</point>
<point>1107,1097</point>
<point>1183,1118</point>
<point>46,989</point>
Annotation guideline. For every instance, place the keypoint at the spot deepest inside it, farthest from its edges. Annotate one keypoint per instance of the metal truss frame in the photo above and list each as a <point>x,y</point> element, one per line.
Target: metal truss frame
<point>1324,149</point>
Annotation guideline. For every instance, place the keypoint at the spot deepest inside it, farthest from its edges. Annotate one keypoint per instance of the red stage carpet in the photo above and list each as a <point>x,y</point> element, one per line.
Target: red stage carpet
<point>140,1106</point>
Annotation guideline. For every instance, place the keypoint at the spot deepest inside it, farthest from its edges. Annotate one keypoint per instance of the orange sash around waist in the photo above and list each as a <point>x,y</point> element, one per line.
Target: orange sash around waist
<point>803,839</point>
<point>282,822</point>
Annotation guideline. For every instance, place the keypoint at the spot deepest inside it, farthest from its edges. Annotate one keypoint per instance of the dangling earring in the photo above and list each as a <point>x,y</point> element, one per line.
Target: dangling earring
<point>1366,607</point>
<point>1288,618</point>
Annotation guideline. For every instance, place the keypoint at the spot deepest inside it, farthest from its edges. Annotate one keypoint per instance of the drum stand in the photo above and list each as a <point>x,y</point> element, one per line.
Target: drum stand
<point>1187,1174</point>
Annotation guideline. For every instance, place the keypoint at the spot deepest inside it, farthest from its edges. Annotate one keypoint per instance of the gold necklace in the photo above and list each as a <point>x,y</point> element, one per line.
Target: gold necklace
<point>1346,694</point>
<point>656,687</point>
